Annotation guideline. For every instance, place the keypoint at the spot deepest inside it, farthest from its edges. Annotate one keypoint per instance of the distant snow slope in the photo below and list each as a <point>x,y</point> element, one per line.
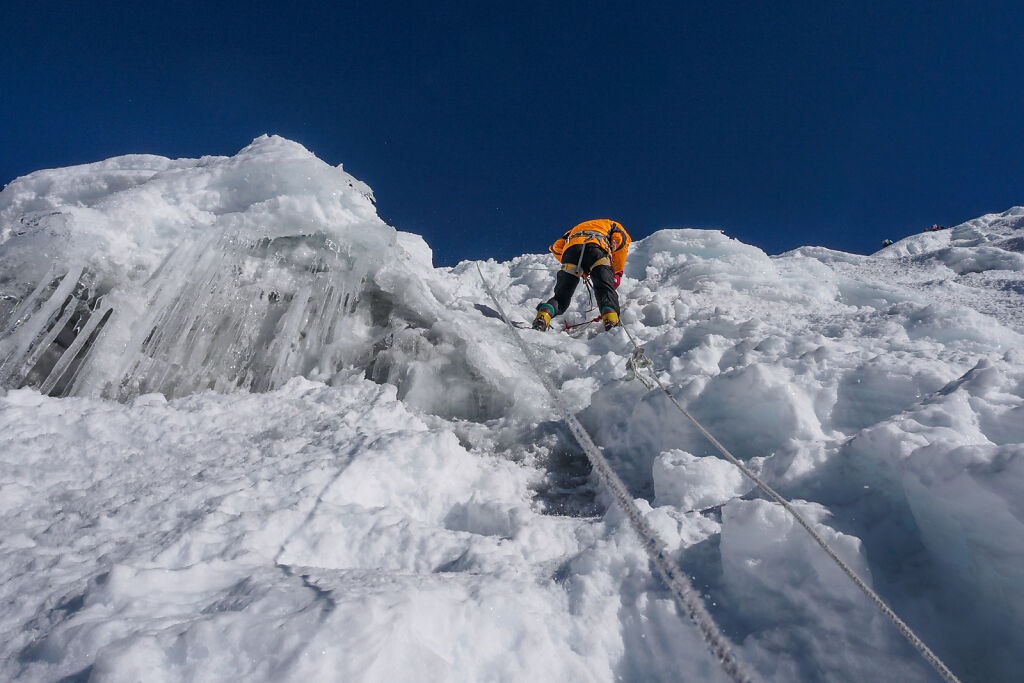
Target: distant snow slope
<point>378,489</point>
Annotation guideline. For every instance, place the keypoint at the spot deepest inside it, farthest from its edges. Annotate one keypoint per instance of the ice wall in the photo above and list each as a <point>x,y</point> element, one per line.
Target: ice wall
<point>142,274</point>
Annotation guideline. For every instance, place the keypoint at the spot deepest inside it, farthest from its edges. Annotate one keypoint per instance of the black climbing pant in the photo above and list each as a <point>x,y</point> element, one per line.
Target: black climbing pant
<point>602,277</point>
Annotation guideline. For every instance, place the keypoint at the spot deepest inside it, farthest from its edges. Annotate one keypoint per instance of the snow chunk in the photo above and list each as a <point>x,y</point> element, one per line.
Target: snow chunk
<point>699,258</point>
<point>759,410</point>
<point>691,483</point>
<point>775,573</point>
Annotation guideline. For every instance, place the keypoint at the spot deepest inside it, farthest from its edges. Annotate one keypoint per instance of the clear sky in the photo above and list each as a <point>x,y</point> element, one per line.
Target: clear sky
<point>490,127</point>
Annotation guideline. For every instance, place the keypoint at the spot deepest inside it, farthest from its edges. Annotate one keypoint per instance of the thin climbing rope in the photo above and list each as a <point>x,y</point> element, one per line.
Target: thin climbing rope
<point>666,568</point>
<point>929,656</point>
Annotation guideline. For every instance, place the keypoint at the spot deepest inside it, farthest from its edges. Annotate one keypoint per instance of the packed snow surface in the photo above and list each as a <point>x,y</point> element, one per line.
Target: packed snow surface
<point>248,432</point>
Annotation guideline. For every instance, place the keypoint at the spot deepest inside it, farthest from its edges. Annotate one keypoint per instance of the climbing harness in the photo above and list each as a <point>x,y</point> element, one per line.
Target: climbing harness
<point>666,568</point>
<point>577,268</point>
<point>640,360</point>
<point>603,240</point>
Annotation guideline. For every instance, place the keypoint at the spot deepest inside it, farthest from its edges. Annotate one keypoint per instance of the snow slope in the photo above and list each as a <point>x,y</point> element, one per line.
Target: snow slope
<point>249,432</point>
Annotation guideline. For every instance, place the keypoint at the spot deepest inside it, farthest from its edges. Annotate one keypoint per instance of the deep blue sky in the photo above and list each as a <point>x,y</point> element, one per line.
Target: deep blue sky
<point>491,127</point>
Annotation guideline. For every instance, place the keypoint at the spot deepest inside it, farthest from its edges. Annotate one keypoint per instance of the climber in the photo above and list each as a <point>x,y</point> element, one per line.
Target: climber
<point>886,243</point>
<point>596,249</point>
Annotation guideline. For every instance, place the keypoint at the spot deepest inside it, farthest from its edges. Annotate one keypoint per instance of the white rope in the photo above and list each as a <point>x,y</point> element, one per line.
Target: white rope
<point>911,637</point>
<point>667,569</point>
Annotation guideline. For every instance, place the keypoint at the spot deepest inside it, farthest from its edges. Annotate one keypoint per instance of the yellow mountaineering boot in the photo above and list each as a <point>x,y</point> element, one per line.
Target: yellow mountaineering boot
<point>543,318</point>
<point>610,319</point>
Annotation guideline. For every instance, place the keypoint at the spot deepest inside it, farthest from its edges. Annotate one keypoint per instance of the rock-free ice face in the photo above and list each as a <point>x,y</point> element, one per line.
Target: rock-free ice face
<point>378,489</point>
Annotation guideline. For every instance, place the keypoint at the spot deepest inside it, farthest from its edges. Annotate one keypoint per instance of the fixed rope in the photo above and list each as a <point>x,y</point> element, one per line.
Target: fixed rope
<point>639,361</point>
<point>666,568</point>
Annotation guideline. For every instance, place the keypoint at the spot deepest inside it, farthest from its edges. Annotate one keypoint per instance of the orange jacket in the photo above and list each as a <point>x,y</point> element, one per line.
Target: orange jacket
<point>609,235</point>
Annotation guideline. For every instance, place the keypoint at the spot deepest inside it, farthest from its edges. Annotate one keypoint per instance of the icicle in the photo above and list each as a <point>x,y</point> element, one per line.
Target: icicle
<point>21,341</point>
<point>26,366</point>
<point>28,302</point>
<point>77,350</point>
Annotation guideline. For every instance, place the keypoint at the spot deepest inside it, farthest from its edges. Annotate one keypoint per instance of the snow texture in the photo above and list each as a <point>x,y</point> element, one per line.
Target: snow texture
<point>249,432</point>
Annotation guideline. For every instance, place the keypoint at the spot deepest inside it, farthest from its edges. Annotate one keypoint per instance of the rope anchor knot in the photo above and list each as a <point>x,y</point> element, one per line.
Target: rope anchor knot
<point>637,362</point>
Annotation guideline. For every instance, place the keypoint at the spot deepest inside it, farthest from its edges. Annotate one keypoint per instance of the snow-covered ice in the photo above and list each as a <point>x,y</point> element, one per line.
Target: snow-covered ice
<point>249,432</point>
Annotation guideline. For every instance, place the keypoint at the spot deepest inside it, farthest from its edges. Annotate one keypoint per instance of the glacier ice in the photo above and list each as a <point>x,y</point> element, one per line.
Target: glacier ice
<point>376,488</point>
<point>144,275</point>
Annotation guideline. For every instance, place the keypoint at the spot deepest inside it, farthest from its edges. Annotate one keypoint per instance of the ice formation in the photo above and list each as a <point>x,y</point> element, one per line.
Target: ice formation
<point>376,487</point>
<point>139,274</point>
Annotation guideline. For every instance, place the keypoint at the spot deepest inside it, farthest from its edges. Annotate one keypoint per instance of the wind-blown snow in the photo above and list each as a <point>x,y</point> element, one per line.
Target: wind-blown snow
<point>378,489</point>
